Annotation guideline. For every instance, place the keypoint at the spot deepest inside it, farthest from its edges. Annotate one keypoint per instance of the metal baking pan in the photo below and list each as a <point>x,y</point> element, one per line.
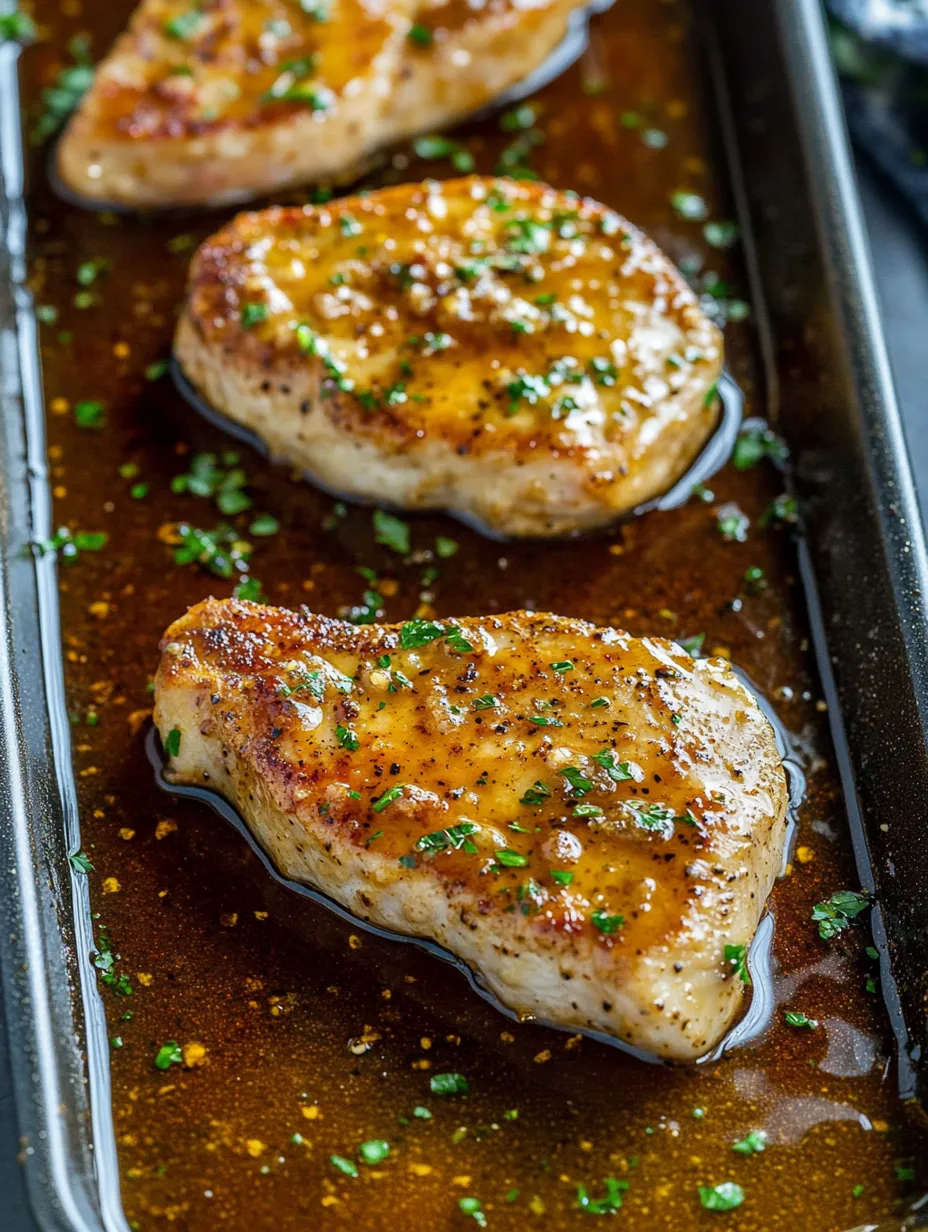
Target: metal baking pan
<point>863,560</point>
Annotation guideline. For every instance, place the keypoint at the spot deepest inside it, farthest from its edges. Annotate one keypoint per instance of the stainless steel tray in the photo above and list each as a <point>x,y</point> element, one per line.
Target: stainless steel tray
<point>864,566</point>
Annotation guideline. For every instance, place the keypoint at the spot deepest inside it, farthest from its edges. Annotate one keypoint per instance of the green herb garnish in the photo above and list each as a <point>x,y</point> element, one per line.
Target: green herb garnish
<point>838,912</point>
<point>723,1197</point>
<point>374,1151</point>
<point>737,957</point>
<point>606,923</point>
<point>618,771</point>
<point>536,794</point>
<point>455,837</point>
<point>391,794</point>
<point>391,531</point>
<point>608,1204</point>
<point>511,859</point>
<point>751,1144</point>
<point>449,1084</point>
<point>796,1018</point>
<point>168,1054</point>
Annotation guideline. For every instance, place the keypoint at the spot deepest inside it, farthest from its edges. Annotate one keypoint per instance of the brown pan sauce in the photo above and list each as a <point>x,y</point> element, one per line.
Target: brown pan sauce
<point>304,1037</point>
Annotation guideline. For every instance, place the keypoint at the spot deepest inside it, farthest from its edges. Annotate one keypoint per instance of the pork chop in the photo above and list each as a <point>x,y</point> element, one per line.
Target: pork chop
<point>591,821</point>
<point>517,355</point>
<point>227,99</point>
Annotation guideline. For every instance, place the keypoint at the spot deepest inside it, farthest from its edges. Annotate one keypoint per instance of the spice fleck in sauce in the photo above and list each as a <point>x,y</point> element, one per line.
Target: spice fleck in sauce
<point>274,1066</point>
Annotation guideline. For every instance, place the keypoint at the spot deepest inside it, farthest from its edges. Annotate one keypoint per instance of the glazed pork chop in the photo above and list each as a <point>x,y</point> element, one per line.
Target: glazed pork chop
<point>521,357</point>
<point>202,104</point>
<point>591,821</point>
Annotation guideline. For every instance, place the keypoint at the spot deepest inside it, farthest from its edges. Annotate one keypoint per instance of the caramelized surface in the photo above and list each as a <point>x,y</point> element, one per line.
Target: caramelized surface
<point>587,819</point>
<point>187,69</point>
<point>501,350</point>
<point>224,99</point>
<point>296,1009</point>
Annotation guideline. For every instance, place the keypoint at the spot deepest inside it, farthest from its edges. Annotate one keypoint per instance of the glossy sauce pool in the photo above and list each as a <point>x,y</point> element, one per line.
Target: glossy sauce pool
<point>304,1035</point>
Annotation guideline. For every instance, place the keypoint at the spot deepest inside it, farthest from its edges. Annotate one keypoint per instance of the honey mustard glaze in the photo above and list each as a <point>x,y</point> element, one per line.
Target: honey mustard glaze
<point>273,1064</point>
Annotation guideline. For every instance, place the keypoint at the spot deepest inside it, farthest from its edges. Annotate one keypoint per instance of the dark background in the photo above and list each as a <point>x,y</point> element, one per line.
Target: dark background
<point>900,252</point>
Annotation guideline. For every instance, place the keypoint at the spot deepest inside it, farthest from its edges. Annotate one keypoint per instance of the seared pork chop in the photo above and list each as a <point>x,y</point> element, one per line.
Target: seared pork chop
<point>226,99</point>
<point>519,356</point>
<point>585,818</point>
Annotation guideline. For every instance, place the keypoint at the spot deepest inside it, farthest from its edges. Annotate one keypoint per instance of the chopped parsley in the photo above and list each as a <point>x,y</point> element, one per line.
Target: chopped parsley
<point>263,525</point>
<point>221,551</point>
<point>608,1204</point>
<point>511,859</point>
<point>689,205</point>
<point>655,817</point>
<point>737,958</point>
<point>434,146</point>
<point>185,25</point>
<point>487,702</point>
<point>563,666</point>
<point>754,579</point>
<point>104,959</point>
<point>757,441</point>
<point>588,810</point>
<point>561,876</point>
<point>391,531</point>
<point>579,783</point>
<point>619,771</point>
<point>310,682</point>
<point>536,794</point>
<point>80,862</point>
<point>796,1018</point>
<point>168,1054</point>
<point>374,1151</point>
<point>751,1144</point>
<point>16,28</point>
<point>474,1208</point>
<point>68,547</point>
<point>783,508</point>
<point>89,414</point>
<point>518,119</point>
<point>391,794</point>
<point>218,478</point>
<point>724,1197</point>
<point>349,226</point>
<point>253,314</point>
<point>172,742</point>
<point>449,1084</point>
<point>732,522</point>
<point>420,36</point>
<point>418,632</point>
<point>88,271</point>
<point>60,98</point>
<point>721,234</point>
<point>310,343</point>
<point>838,912</point>
<point>347,738</point>
<point>606,923</point>
<point>346,1166</point>
<point>455,837</point>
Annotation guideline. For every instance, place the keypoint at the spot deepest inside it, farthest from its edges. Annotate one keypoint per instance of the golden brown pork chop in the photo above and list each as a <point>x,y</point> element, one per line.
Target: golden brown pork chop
<point>514,354</point>
<point>585,818</point>
<point>221,100</point>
